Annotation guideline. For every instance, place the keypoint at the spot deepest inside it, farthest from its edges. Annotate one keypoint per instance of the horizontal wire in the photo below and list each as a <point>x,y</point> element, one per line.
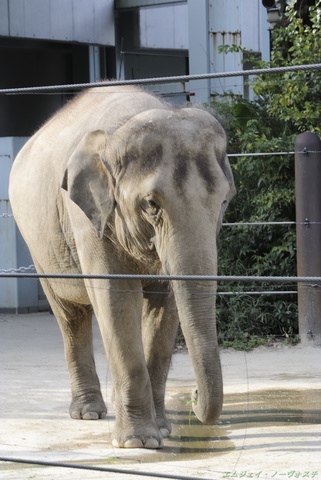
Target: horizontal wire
<point>278,292</point>
<point>271,154</point>
<point>196,278</point>
<point>251,154</point>
<point>237,224</point>
<point>262,154</point>
<point>215,95</point>
<point>306,223</point>
<point>150,80</point>
<point>177,291</point>
<point>242,224</point>
<point>171,292</point>
<point>227,224</point>
<point>98,469</point>
<point>176,78</point>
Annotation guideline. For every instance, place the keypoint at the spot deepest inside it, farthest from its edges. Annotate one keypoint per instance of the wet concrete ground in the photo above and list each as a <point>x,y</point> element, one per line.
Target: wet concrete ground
<point>270,427</point>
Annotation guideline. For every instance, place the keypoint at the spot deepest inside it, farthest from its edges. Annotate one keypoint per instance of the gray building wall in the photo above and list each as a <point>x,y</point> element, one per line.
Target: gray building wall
<point>213,23</point>
<point>165,26</point>
<point>241,23</point>
<point>42,42</point>
<point>84,21</point>
<point>162,39</point>
<point>16,295</point>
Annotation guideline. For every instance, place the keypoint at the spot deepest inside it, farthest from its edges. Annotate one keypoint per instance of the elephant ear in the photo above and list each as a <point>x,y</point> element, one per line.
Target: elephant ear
<point>88,182</point>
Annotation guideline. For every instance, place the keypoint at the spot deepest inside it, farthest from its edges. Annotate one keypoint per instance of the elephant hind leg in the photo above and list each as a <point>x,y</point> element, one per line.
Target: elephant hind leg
<point>75,322</point>
<point>159,328</point>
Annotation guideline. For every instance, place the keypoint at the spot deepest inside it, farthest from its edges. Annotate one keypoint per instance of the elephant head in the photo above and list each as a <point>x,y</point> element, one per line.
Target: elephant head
<point>160,184</point>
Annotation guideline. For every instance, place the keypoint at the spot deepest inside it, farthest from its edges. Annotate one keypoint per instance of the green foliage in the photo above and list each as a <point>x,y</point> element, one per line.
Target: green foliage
<point>294,96</point>
<point>265,193</point>
<point>246,343</point>
<point>285,105</point>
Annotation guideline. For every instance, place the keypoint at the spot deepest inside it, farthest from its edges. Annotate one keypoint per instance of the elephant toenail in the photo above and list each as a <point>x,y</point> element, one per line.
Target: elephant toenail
<point>133,442</point>
<point>165,432</point>
<point>153,442</point>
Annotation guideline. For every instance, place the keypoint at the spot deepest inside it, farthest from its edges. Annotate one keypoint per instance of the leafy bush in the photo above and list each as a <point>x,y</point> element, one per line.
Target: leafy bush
<point>265,193</point>
<point>285,105</point>
<point>294,97</point>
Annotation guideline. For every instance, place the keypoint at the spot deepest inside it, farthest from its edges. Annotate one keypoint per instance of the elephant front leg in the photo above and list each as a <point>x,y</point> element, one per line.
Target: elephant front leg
<point>160,323</point>
<point>118,310</point>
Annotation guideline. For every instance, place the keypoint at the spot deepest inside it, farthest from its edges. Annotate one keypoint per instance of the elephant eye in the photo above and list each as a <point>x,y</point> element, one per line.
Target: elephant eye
<point>151,207</point>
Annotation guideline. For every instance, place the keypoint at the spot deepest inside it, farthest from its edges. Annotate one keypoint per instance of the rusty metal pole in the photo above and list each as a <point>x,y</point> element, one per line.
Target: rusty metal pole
<point>308,233</point>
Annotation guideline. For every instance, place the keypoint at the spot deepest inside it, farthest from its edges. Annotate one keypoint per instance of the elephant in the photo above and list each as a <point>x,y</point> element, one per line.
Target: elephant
<point>119,181</point>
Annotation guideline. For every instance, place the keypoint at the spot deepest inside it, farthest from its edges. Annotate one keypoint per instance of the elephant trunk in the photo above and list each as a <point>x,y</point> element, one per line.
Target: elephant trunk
<point>196,308</point>
<point>191,250</point>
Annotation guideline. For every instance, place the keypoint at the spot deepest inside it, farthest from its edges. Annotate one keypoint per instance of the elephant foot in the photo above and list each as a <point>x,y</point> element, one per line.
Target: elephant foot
<point>144,438</point>
<point>89,407</point>
<point>135,442</point>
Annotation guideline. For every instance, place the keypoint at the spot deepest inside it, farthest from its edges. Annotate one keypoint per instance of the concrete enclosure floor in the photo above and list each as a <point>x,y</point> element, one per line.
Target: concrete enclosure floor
<point>270,427</point>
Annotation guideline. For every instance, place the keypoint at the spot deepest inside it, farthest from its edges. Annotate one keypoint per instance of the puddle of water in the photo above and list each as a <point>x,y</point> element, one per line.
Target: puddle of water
<point>192,440</point>
<point>273,408</point>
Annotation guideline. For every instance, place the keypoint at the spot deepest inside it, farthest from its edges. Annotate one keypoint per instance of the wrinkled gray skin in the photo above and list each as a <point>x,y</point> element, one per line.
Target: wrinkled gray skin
<point>119,182</point>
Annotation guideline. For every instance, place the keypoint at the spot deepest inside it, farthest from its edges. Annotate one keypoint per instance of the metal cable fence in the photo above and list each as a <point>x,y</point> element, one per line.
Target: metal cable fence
<point>17,272</point>
<point>94,468</point>
<point>168,79</point>
<point>21,271</point>
<point>24,272</point>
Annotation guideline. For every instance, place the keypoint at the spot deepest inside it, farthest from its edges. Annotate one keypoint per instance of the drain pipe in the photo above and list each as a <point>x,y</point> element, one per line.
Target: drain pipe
<point>308,234</point>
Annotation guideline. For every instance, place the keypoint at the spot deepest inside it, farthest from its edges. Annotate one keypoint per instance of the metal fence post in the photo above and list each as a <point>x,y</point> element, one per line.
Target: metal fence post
<point>308,233</point>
